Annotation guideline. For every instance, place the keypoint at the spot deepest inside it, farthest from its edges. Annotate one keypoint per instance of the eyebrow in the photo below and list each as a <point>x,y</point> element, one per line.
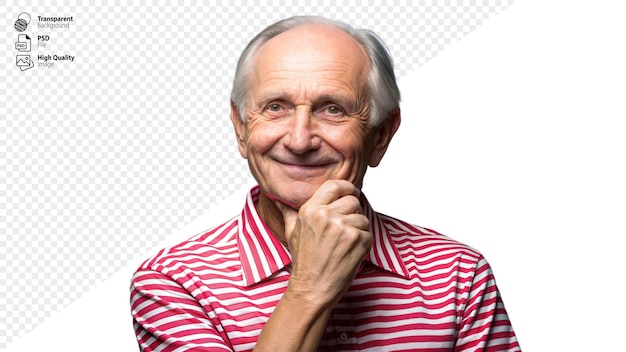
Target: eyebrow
<point>271,96</point>
<point>342,100</point>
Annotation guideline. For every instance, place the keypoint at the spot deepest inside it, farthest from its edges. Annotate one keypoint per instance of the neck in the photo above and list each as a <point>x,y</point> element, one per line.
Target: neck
<point>272,217</point>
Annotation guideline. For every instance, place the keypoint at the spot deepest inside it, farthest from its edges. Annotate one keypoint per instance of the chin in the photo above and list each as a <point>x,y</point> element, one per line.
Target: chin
<point>297,195</point>
<point>296,201</point>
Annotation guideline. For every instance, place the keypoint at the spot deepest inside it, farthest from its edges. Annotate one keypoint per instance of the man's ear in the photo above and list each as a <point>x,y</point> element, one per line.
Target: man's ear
<point>384,134</point>
<point>240,129</point>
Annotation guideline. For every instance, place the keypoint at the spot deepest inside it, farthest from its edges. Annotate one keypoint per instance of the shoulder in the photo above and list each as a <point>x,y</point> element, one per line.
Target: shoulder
<point>216,242</point>
<point>425,243</point>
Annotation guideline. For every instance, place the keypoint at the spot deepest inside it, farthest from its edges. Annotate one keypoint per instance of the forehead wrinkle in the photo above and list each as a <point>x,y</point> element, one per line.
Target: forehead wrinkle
<point>291,74</point>
<point>359,62</point>
<point>283,82</point>
<point>269,92</point>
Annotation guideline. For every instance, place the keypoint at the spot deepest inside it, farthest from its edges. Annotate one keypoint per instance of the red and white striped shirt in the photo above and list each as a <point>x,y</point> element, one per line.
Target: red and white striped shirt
<point>417,291</point>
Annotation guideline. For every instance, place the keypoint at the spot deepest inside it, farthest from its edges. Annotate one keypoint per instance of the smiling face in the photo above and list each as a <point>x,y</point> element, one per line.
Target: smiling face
<point>306,119</point>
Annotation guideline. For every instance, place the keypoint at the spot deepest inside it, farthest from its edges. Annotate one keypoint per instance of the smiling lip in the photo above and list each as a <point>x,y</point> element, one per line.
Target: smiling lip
<point>305,164</point>
<point>304,169</point>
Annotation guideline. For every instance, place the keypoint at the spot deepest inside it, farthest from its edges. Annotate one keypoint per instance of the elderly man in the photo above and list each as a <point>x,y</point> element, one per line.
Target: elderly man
<point>308,264</point>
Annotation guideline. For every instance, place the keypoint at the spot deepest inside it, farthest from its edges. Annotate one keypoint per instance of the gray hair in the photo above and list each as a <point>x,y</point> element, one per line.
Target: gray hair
<point>381,80</point>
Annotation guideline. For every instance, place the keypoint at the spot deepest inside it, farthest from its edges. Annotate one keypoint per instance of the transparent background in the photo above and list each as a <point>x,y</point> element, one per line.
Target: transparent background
<point>102,158</point>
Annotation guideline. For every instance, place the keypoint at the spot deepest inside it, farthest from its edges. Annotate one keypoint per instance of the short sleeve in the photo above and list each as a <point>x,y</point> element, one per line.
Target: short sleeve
<point>168,318</point>
<point>485,325</point>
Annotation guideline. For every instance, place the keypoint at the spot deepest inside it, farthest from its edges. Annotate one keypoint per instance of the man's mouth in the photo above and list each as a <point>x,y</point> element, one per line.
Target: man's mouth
<point>306,165</point>
<point>304,169</point>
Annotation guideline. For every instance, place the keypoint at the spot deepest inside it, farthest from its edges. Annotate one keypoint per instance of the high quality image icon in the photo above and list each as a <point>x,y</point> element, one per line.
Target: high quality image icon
<point>24,62</point>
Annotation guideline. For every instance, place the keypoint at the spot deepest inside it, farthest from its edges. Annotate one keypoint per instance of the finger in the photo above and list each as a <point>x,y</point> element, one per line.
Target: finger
<point>346,205</point>
<point>357,221</point>
<point>366,241</point>
<point>331,190</point>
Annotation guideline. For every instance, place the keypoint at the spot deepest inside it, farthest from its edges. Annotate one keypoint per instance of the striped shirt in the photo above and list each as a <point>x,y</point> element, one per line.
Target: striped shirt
<point>416,290</point>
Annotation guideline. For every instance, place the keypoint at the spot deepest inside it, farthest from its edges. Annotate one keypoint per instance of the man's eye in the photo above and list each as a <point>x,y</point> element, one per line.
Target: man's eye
<point>334,110</point>
<point>274,107</point>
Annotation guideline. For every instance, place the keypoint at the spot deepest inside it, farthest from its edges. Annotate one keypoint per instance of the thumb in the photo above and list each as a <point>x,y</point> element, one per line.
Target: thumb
<point>290,215</point>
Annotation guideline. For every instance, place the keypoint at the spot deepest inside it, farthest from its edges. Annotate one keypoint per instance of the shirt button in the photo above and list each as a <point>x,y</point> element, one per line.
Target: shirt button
<point>343,336</point>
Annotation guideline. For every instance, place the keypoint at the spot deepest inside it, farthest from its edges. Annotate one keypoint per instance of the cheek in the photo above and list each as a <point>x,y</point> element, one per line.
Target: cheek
<point>261,135</point>
<point>349,140</point>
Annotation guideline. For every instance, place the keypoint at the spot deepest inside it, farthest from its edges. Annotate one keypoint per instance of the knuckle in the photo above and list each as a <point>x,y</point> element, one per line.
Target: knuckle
<point>333,187</point>
<point>339,221</point>
<point>353,234</point>
<point>353,202</point>
<point>306,210</point>
<point>322,213</point>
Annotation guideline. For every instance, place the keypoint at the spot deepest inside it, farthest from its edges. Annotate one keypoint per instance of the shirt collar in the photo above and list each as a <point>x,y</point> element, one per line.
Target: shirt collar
<point>384,253</point>
<point>262,254</point>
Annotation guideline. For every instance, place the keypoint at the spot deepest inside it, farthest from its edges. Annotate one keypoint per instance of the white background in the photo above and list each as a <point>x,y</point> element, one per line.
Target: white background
<point>513,142</point>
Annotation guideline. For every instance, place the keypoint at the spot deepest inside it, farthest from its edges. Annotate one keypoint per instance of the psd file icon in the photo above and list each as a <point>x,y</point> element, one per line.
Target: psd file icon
<point>23,42</point>
<point>24,62</point>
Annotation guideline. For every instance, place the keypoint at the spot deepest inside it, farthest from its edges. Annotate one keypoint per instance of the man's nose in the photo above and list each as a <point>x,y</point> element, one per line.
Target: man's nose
<point>302,136</point>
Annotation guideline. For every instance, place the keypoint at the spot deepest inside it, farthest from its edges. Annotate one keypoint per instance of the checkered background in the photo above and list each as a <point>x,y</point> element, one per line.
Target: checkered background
<point>104,157</point>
